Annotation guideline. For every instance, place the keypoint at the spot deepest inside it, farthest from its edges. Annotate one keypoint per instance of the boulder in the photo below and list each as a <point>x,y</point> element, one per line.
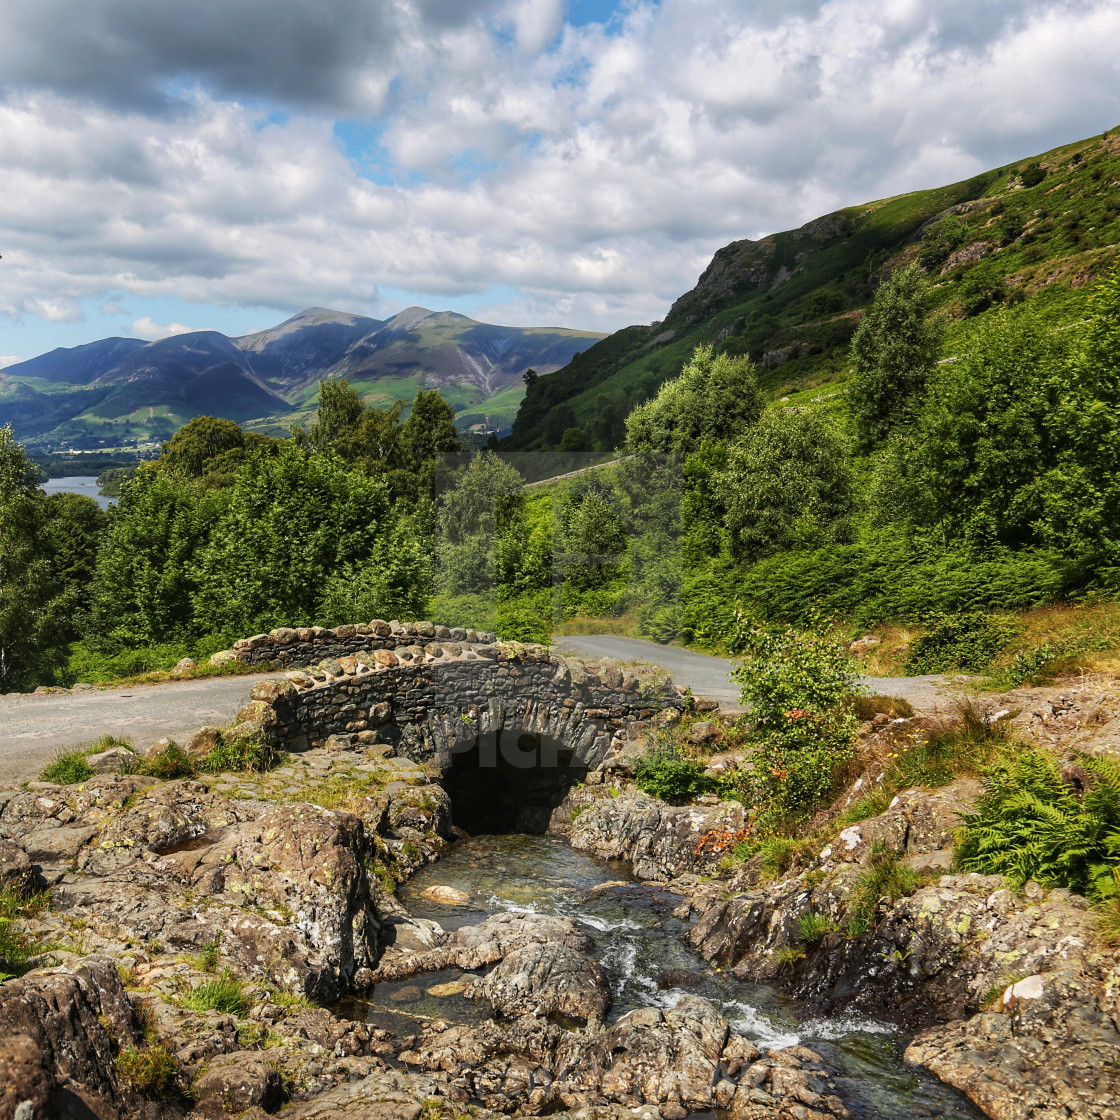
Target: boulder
<point>545,979</point>
<point>474,947</point>
<point>224,657</point>
<point>76,1019</point>
<point>116,760</point>
<point>235,1082</point>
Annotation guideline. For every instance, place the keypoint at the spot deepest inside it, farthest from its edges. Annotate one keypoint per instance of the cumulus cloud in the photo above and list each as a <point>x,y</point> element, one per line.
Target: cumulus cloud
<point>148,328</point>
<point>594,170</point>
<point>9,360</point>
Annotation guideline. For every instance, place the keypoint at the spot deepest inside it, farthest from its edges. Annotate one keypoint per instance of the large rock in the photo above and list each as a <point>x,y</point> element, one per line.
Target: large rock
<point>545,979</point>
<point>662,841</point>
<point>1050,1047</point>
<point>473,947</point>
<point>75,1020</point>
<point>667,1058</point>
<point>236,1082</point>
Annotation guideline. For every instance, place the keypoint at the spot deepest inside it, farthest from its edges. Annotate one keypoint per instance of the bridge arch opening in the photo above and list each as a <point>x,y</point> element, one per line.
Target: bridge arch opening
<point>510,781</point>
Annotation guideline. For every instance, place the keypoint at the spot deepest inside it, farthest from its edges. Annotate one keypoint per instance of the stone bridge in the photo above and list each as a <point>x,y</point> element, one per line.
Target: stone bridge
<point>510,726</point>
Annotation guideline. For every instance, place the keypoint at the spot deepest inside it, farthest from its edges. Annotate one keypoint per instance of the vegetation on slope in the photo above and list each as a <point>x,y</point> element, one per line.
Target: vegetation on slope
<point>1035,231</point>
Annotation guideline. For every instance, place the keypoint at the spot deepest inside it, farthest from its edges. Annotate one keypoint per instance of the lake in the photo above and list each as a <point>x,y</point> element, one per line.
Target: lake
<point>85,484</point>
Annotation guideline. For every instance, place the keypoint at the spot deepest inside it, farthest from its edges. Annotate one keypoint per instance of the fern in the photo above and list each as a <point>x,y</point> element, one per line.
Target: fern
<point>1031,823</point>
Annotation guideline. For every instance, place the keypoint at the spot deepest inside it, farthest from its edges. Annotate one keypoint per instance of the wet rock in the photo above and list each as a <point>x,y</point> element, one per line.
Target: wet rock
<point>446,896</point>
<point>662,841</point>
<point>474,947</point>
<point>545,979</point>
<point>665,1058</point>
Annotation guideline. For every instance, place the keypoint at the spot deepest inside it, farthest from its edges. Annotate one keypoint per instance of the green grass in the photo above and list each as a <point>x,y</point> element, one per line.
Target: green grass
<point>150,1071</point>
<point>963,748</point>
<point>886,879</point>
<point>68,768</point>
<point>812,927</point>
<point>225,994</point>
<point>292,1002</point>
<point>18,948</point>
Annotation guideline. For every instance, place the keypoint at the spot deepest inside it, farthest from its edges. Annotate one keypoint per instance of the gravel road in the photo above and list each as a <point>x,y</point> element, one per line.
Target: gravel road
<point>33,729</point>
<point>710,676</point>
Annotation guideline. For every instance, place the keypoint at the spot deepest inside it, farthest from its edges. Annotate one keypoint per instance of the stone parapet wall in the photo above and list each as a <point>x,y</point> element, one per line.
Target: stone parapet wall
<point>306,646</point>
<point>430,702</point>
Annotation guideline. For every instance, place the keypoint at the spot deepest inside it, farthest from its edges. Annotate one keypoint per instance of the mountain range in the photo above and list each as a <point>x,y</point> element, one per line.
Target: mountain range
<point>1037,231</point>
<point>123,392</point>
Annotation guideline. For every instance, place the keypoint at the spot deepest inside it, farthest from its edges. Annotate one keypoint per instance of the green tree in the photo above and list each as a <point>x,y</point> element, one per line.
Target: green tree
<point>146,569</point>
<point>291,522</point>
<point>28,639</point>
<point>1082,493</point>
<point>592,534</point>
<point>979,454</point>
<point>895,350</point>
<point>788,484</point>
<point>716,397</point>
<point>72,531</point>
<point>340,412</point>
<point>480,527</point>
<point>189,451</point>
<point>428,434</point>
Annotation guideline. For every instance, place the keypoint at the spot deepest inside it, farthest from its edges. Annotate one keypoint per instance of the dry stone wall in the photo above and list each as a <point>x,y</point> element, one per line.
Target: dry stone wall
<point>292,648</point>
<point>434,700</point>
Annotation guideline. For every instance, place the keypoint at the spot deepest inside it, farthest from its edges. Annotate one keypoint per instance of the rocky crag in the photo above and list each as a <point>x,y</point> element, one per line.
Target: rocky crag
<point>196,927</point>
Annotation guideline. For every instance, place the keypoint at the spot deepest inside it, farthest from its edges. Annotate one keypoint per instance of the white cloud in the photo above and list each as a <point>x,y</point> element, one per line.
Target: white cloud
<point>9,360</point>
<point>148,329</point>
<point>592,172</point>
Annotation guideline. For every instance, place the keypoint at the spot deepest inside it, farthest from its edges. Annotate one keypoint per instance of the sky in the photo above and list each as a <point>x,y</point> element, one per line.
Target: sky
<point>223,164</point>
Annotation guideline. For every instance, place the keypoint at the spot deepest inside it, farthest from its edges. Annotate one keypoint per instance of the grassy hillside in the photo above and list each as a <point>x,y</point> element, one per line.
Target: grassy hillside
<point>1036,230</point>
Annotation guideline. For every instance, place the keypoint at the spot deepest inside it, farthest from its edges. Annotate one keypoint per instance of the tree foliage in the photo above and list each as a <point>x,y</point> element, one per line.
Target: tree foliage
<point>28,606</point>
<point>788,483</point>
<point>716,397</point>
<point>895,349</point>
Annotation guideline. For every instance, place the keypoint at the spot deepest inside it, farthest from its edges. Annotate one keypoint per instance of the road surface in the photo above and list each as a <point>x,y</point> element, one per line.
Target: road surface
<point>710,676</point>
<point>33,729</point>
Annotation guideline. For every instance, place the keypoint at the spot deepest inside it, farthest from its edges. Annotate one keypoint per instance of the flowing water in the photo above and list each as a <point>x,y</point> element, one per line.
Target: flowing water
<point>642,946</point>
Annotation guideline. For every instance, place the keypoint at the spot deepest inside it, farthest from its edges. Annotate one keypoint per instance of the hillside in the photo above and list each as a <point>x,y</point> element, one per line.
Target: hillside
<point>123,392</point>
<point>1038,230</point>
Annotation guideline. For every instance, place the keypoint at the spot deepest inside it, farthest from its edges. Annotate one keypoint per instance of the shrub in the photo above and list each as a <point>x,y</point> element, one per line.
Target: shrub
<point>67,768</point>
<point>225,994</point>
<point>969,641</point>
<point>665,774</point>
<point>798,685</point>
<point>1036,821</point>
<point>885,879</point>
<point>780,853</point>
<point>867,707</point>
<point>151,1071</point>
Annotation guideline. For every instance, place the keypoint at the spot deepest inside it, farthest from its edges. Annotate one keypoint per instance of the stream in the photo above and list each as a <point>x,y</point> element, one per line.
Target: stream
<point>643,948</point>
